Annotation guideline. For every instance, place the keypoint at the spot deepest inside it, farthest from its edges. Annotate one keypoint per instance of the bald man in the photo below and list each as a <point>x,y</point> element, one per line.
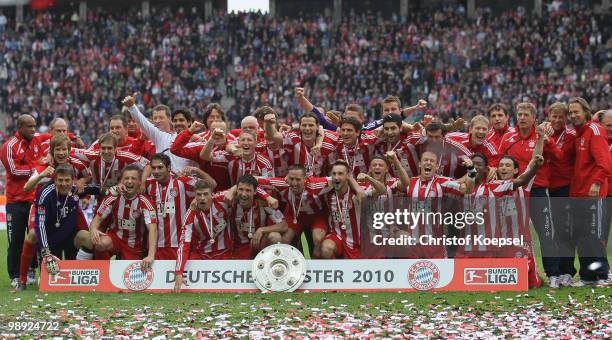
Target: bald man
<point>18,155</point>
<point>250,122</point>
<point>56,126</point>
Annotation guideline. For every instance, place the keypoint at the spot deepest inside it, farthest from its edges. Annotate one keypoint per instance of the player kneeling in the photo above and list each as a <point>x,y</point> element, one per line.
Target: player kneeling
<point>58,217</point>
<point>130,212</point>
<point>206,233</point>
<point>257,225</point>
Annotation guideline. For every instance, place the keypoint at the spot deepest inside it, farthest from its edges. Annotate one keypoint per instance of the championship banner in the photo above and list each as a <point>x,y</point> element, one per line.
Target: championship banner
<point>495,274</point>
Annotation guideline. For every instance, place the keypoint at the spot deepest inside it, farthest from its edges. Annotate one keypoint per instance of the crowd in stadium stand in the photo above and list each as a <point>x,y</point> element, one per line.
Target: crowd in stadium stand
<point>53,67</point>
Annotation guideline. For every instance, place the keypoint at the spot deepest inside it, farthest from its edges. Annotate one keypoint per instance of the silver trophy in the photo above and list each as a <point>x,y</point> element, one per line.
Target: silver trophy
<point>279,268</point>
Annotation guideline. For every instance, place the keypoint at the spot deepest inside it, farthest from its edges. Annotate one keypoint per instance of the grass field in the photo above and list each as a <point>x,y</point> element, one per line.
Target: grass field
<point>539,312</point>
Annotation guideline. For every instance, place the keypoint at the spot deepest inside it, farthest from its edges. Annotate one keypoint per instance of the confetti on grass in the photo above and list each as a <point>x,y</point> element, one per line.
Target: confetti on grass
<point>284,317</point>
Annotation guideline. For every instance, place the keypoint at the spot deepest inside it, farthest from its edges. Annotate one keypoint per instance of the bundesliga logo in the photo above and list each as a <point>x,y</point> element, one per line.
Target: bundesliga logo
<point>490,276</point>
<point>423,275</point>
<point>75,277</point>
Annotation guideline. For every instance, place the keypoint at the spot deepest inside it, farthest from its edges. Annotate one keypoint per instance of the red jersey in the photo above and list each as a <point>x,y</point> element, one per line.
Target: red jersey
<point>563,168</point>
<point>261,134</point>
<point>143,146</point>
<point>260,165</point>
<point>129,217</point>
<point>386,201</point>
<point>18,155</point>
<point>277,155</point>
<point>521,148</point>
<point>205,233</point>
<point>450,156</point>
<point>299,153</point>
<point>357,156</point>
<point>495,137</point>
<point>45,139</point>
<point>610,173</point>
<point>592,160</point>
<point>344,219</point>
<point>172,201</point>
<point>505,211</point>
<point>428,197</point>
<point>406,151</point>
<point>191,150</point>
<point>486,148</point>
<point>129,145</point>
<point>307,203</point>
<point>108,173</point>
<point>81,170</point>
<point>247,221</point>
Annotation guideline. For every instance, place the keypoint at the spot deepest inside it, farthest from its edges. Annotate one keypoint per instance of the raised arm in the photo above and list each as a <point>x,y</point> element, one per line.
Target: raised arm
<point>148,129</point>
<point>272,134</point>
<point>379,188</point>
<point>403,176</point>
<point>35,179</point>
<point>206,153</point>
<point>178,146</point>
<point>421,105</point>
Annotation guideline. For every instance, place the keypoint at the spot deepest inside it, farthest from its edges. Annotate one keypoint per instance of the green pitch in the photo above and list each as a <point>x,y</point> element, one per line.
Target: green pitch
<point>584,310</point>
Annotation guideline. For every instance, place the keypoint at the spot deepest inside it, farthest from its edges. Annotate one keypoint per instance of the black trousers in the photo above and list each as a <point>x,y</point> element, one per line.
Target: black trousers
<point>588,234</point>
<point>16,228</point>
<point>541,216</point>
<point>561,213</point>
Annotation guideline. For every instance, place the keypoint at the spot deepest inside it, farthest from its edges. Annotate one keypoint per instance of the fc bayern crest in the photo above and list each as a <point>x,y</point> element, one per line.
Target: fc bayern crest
<point>136,279</point>
<point>173,192</point>
<point>423,275</point>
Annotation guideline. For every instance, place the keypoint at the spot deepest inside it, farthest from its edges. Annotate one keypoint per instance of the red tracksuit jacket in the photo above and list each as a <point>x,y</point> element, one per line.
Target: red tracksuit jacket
<point>592,160</point>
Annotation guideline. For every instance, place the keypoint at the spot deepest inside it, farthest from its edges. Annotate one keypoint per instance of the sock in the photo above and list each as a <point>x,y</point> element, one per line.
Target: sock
<point>84,255</point>
<point>533,278</point>
<point>27,254</point>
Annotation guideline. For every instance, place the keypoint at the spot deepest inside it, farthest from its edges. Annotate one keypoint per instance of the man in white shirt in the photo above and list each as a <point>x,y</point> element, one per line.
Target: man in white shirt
<point>159,131</point>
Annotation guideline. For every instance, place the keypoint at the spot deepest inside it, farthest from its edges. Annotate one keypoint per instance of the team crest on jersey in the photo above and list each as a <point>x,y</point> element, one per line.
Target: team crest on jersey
<point>423,275</point>
<point>135,214</point>
<point>136,279</point>
<point>173,192</point>
<point>532,143</point>
<point>581,141</point>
